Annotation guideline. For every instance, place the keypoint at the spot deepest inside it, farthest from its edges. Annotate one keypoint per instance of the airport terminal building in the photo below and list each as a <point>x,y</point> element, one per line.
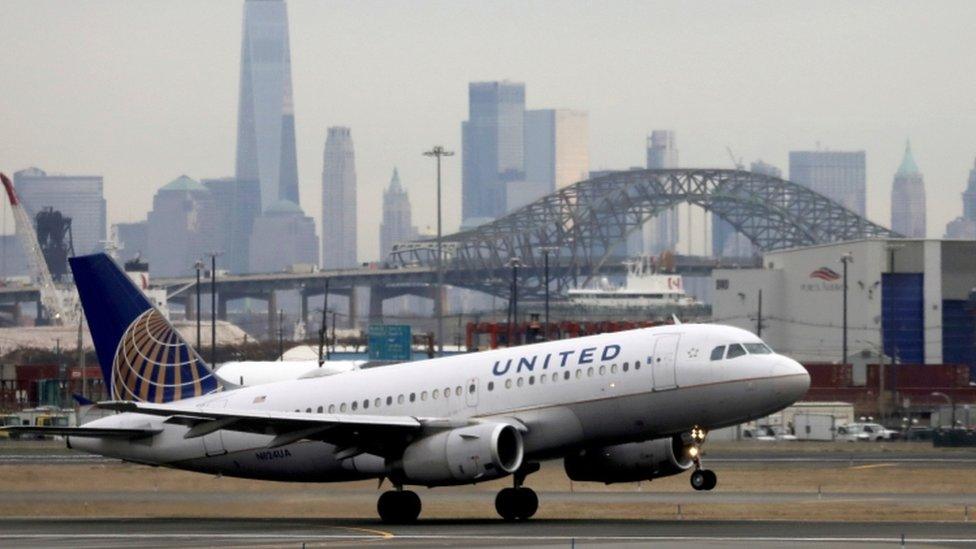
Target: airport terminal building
<point>908,300</point>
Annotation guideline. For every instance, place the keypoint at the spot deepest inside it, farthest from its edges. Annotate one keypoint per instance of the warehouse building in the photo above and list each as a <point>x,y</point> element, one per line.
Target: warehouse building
<point>908,301</point>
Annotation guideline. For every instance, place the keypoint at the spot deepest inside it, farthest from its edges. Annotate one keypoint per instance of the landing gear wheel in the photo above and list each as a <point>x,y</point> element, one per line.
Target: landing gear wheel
<point>398,507</point>
<point>704,479</point>
<point>711,479</point>
<point>516,503</point>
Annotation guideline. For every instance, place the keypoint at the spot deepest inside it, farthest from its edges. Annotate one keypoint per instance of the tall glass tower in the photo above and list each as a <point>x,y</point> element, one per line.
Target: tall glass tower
<point>339,200</point>
<point>265,117</point>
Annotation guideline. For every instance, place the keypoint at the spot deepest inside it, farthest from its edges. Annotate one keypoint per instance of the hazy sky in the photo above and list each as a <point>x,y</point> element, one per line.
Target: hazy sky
<point>142,92</point>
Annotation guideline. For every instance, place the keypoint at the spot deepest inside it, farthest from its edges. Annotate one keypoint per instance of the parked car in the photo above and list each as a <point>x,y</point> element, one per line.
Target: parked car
<point>853,432</point>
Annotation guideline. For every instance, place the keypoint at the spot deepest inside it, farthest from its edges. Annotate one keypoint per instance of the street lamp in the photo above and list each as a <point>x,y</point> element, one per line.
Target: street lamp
<point>845,259</point>
<point>514,263</point>
<point>213,308</point>
<point>546,250</point>
<point>437,152</point>
<point>951,402</point>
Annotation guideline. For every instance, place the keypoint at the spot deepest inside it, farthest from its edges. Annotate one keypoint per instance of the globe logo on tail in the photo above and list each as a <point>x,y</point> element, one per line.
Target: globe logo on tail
<point>154,364</point>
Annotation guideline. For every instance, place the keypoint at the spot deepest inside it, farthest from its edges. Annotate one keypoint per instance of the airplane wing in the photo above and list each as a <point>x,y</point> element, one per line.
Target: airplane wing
<point>353,434</point>
<point>95,432</point>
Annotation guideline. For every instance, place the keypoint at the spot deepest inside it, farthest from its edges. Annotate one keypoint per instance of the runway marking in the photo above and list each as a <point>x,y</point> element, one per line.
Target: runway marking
<point>489,537</point>
<point>381,533</point>
<point>874,465</point>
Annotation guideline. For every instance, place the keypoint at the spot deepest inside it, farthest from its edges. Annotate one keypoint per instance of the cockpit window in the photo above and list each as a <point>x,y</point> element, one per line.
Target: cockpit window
<point>735,350</point>
<point>718,352</point>
<point>758,349</point>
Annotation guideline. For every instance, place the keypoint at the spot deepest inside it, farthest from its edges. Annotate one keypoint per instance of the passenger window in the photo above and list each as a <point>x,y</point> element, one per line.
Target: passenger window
<point>435,393</point>
<point>519,382</point>
<point>423,395</point>
<point>718,352</point>
<point>626,366</point>
<point>399,399</point>
<point>413,397</point>
<point>308,410</point>
<point>342,407</point>
<point>471,388</point>
<point>365,404</point>
<point>355,405</point>
<point>531,380</point>
<point>637,364</point>
<point>579,374</point>
<point>491,385</point>
<point>331,408</point>
<point>589,372</point>
<point>508,383</point>
<point>613,369</point>
<point>543,378</point>
<point>735,350</point>
<point>377,402</point>
<point>603,370</point>
<point>447,392</point>
<point>555,376</point>
<point>389,401</point>
<point>457,391</point>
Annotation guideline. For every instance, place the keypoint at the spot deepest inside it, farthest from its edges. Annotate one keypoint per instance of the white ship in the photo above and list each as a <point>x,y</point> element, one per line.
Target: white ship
<point>644,288</point>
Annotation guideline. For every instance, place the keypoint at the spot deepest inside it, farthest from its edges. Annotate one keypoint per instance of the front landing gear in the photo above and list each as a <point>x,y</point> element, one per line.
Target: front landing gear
<point>398,506</point>
<point>701,479</point>
<point>518,502</point>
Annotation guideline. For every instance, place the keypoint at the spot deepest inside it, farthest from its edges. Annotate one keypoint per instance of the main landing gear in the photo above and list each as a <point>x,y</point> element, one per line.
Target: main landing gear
<point>701,479</point>
<point>518,502</point>
<point>398,506</point>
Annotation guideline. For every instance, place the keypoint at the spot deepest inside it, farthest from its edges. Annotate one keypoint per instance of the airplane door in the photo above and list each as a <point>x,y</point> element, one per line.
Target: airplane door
<point>213,444</point>
<point>663,361</point>
<point>471,392</point>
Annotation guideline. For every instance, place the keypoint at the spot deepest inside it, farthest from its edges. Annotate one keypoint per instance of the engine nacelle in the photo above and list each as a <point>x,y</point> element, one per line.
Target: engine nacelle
<point>630,462</point>
<point>463,455</point>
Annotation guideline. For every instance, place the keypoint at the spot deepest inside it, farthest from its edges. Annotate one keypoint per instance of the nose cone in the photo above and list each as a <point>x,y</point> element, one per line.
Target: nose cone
<point>793,379</point>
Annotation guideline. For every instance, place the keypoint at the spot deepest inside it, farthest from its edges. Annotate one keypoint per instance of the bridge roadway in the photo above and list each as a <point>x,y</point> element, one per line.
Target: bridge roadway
<point>383,283</point>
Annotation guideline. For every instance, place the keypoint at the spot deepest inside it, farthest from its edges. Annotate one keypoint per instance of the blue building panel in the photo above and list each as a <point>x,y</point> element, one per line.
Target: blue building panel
<point>903,316</point>
<point>958,328</point>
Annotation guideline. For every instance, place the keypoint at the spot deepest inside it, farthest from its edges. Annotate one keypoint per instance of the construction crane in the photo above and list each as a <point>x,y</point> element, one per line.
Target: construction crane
<point>737,163</point>
<point>57,303</point>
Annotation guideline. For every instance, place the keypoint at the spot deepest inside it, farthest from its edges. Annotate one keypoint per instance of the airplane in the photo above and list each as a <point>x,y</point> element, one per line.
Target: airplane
<point>617,407</point>
<point>235,374</point>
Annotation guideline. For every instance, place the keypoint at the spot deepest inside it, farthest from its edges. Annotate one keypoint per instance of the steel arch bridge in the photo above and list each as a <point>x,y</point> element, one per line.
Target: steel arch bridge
<point>582,224</point>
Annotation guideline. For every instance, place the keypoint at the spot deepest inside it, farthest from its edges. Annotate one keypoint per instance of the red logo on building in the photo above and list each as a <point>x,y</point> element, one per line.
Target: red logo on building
<point>824,273</point>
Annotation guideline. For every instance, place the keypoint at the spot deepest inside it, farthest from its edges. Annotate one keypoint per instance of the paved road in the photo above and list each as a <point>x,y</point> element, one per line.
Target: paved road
<point>448,533</point>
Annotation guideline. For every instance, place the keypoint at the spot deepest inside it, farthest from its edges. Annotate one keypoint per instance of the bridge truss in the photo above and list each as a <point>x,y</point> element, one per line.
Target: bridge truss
<point>583,223</point>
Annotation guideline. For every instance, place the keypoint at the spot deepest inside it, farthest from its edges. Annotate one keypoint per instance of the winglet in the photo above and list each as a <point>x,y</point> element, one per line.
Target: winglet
<point>675,318</point>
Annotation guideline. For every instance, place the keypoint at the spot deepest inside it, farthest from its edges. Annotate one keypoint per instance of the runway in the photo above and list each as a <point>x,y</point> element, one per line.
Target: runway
<point>494,533</point>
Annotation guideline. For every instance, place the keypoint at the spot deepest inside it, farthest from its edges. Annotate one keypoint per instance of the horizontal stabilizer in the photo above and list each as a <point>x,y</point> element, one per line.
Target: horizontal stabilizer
<point>91,432</point>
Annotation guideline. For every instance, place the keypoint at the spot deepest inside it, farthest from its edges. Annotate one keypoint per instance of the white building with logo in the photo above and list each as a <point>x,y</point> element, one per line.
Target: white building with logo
<point>908,299</point>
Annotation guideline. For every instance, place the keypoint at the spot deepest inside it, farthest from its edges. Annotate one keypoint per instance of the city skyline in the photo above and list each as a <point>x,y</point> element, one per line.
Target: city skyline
<point>156,108</point>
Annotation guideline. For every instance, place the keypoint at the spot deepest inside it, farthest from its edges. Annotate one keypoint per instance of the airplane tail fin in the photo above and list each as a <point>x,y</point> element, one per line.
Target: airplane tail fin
<point>143,358</point>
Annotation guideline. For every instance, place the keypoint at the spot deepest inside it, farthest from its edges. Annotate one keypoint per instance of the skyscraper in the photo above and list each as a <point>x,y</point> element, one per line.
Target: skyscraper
<point>492,148</point>
<point>908,198</point>
<point>556,154</point>
<point>182,226</point>
<point>282,236</point>
<point>965,225</point>
<point>76,196</point>
<point>838,175</point>
<point>397,225</point>
<point>339,201</point>
<point>265,116</point>
<point>236,205</point>
<point>660,233</point>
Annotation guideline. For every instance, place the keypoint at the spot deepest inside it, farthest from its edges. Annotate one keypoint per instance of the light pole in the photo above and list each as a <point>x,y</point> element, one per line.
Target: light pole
<point>951,402</point>
<point>514,263</point>
<point>546,250</point>
<point>438,152</point>
<point>199,267</point>
<point>845,259</point>
<point>213,308</point>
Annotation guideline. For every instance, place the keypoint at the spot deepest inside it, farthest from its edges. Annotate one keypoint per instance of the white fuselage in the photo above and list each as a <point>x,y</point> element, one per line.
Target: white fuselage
<point>564,395</point>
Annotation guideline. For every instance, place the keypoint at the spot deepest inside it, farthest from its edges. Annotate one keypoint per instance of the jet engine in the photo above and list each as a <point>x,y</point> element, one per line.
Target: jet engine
<point>630,462</point>
<point>463,455</point>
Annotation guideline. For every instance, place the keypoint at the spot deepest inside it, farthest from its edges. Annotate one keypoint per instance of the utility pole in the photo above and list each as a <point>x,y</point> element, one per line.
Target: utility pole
<point>81,355</point>
<point>281,335</point>
<point>513,303</point>
<point>845,259</point>
<point>213,309</point>
<point>546,250</point>
<point>199,267</point>
<point>759,316</point>
<point>323,348</point>
<point>438,152</point>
